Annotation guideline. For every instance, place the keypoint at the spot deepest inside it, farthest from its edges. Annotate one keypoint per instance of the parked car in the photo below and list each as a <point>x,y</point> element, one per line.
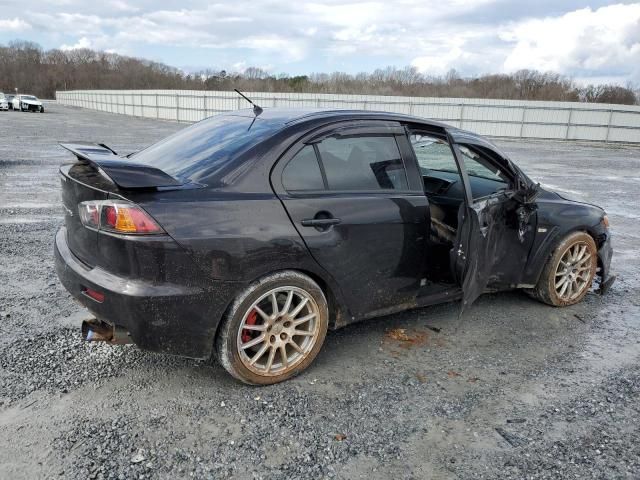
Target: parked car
<point>4,104</point>
<point>248,236</point>
<point>27,103</point>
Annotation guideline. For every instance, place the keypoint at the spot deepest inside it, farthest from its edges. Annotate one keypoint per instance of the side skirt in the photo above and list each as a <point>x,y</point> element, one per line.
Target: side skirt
<point>445,296</point>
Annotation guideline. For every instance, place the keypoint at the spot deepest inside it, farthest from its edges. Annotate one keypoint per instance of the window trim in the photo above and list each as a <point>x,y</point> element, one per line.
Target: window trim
<point>327,190</point>
<point>415,187</point>
<point>323,172</point>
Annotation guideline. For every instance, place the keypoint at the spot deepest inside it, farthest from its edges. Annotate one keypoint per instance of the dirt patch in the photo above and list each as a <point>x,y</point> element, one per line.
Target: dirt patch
<point>407,338</point>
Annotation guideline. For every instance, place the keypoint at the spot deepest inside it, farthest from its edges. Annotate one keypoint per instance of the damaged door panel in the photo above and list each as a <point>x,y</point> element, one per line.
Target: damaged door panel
<point>496,230</point>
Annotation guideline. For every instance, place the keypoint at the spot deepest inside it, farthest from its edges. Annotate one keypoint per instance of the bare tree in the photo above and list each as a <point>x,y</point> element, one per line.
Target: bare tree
<point>27,66</point>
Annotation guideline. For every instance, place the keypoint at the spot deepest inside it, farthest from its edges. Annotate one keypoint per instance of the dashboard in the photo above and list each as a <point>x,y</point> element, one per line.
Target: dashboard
<point>447,184</point>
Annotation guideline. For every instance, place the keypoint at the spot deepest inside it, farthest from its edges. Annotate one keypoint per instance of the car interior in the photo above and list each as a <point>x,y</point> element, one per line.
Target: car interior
<point>445,191</point>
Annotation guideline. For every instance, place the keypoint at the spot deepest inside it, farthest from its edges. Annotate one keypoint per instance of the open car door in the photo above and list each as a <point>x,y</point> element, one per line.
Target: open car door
<point>495,232</point>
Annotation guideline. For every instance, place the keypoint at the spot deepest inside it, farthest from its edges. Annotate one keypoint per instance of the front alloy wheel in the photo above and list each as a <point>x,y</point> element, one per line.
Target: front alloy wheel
<point>569,272</point>
<point>274,330</point>
<point>573,272</point>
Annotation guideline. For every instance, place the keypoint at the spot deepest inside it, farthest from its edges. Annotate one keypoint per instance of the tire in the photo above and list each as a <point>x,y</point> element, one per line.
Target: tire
<point>252,316</point>
<point>567,283</point>
<point>41,109</point>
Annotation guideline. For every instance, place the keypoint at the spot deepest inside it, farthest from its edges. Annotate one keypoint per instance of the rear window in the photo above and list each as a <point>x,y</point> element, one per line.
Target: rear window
<point>202,149</point>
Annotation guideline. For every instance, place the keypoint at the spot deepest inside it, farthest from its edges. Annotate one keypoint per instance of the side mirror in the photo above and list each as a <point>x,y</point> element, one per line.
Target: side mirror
<point>528,194</point>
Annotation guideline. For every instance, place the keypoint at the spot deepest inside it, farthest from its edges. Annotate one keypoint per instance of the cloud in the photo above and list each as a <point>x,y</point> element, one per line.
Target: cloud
<point>14,24</point>
<point>82,43</point>
<point>582,42</point>
<point>573,37</point>
<point>123,6</point>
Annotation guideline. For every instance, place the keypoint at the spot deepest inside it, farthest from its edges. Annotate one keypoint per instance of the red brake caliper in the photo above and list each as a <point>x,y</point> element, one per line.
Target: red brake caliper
<point>251,320</point>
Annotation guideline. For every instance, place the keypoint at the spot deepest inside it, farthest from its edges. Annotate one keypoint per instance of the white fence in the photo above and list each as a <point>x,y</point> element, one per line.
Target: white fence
<point>498,118</point>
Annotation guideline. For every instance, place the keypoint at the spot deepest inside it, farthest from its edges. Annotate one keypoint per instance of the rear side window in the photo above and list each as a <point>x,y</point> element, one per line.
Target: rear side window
<point>303,172</point>
<point>363,163</point>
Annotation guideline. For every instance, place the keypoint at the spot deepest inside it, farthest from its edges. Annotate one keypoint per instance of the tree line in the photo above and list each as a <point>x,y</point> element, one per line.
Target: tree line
<point>30,68</point>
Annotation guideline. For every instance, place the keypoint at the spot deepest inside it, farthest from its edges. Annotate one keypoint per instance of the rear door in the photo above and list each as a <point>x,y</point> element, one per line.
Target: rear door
<point>495,231</point>
<point>361,210</point>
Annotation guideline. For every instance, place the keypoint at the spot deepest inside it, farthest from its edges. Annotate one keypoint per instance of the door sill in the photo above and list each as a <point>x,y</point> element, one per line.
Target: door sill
<point>449,293</point>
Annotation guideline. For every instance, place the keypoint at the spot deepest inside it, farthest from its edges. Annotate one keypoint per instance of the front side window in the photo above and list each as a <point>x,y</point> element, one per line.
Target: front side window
<point>479,166</point>
<point>433,154</point>
<point>363,163</point>
<point>303,172</point>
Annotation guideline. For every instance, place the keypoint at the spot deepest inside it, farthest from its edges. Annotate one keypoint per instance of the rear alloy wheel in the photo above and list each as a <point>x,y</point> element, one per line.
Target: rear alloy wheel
<point>274,330</point>
<point>569,273</point>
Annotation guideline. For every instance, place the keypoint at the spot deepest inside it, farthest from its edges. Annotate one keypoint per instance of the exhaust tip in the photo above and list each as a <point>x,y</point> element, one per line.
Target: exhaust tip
<point>95,330</point>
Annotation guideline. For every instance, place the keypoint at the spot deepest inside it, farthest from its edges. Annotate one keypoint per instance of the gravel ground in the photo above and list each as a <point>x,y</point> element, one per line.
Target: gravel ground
<point>514,389</point>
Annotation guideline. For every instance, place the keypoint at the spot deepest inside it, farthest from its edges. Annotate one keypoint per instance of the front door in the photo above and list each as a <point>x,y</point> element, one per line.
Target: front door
<point>496,229</point>
<point>363,218</point>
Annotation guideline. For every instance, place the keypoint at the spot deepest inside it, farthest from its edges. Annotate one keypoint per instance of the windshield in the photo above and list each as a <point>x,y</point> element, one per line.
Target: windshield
<point>205,147</point>
<point>28,97</point>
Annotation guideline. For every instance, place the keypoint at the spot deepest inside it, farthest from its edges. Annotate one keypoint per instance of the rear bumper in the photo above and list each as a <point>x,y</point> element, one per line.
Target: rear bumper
<point>160,317</point>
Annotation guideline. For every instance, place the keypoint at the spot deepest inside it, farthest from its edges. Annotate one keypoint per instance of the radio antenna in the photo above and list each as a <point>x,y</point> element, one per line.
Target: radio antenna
<point>257,110</point>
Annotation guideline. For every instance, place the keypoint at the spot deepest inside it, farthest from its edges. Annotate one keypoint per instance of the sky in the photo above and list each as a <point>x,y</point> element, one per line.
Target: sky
<point>592,42</point>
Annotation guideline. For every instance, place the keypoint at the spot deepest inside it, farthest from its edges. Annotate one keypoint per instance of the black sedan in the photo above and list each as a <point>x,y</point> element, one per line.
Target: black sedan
<point>249,234</point>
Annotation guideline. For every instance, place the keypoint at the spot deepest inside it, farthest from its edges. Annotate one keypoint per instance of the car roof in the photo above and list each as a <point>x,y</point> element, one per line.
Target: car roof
<point>283,117</point>
<point>289,116</point>
<point>279,118</point>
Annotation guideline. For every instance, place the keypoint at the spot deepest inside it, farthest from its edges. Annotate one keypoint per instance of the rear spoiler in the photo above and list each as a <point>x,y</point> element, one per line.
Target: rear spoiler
<point>124,173</point>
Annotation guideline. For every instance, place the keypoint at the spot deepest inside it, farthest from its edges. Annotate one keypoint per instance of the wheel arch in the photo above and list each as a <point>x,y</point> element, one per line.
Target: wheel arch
<point>338,310</point>
<point>546,250</point>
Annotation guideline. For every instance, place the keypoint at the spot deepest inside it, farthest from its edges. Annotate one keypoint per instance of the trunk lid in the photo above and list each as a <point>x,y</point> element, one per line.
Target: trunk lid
<point>100,174</point>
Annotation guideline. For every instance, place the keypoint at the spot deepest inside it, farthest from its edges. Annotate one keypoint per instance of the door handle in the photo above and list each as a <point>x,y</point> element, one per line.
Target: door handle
<point>320,222</point>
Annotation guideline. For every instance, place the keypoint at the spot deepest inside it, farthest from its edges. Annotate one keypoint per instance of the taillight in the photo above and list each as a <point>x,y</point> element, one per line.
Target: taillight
<point>90,214</point>
<point>117,216</point>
